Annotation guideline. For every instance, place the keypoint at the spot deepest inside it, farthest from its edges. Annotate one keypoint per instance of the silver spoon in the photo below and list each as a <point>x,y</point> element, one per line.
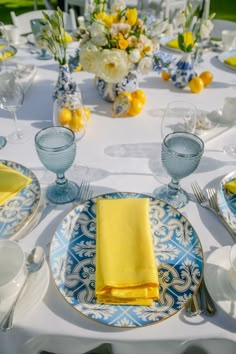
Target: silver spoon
<point>34,262</point>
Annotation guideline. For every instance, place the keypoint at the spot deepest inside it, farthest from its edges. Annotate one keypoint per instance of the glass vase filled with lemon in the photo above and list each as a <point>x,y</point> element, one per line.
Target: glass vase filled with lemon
<point>69,112</point>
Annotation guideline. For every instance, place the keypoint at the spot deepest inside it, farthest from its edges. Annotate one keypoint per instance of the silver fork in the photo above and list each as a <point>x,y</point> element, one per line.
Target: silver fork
<point>85,192</point>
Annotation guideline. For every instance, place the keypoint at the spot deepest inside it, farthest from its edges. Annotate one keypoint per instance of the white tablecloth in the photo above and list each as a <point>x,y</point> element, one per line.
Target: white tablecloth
<point>121,155</point>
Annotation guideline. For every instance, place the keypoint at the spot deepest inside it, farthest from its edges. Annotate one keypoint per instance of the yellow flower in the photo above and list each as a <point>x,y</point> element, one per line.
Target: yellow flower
<point>131,15</point>
<point>188,38</point>
<point>67,38</point>
<point>107,19</point>
<point>123,43</point>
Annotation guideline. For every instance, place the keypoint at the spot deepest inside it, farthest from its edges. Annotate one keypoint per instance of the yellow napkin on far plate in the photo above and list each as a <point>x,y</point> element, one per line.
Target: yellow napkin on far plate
<point>11,182</point>
<point>231,186</point>
<point>126,270</point>
<point>188,39</point>
<point>230,61</point>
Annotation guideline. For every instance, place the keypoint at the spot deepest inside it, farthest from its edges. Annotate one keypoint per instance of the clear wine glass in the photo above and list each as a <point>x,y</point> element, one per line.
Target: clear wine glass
<point>180,155</point>
<point>11,99</point>
<point>179,116</point>
<point>56,149</point>
<point>36,26</point>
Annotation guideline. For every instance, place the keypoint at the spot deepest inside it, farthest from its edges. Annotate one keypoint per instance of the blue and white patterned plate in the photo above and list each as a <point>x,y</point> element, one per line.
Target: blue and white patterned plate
<point>177,249</point>
<point>17,212</point>
<point>227,201</point>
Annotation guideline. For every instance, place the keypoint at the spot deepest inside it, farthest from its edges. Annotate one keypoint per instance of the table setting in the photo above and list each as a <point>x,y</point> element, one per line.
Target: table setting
<point>117,213</point>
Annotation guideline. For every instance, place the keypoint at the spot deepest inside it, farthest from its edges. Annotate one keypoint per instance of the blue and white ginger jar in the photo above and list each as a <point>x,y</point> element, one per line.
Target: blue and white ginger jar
<point>184,71</point>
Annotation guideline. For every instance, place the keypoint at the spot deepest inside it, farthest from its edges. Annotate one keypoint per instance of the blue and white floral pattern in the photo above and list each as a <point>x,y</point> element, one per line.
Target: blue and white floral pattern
<point>109,91</point>
<point>19,210</point>
<point>227,201</point>
<point>178,254</point>
<point>65,85</point>
<point>184,71</point>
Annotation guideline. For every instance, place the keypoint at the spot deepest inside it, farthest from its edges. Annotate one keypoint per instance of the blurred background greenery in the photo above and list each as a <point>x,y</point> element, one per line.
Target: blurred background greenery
<point>224,9</point>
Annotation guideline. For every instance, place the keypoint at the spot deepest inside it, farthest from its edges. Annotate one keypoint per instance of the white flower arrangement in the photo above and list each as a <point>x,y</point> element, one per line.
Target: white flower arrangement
<point>115,42</point>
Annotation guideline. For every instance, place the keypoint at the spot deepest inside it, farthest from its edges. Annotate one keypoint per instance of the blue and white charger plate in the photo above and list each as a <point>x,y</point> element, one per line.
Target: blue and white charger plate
<point>17,212</point>
<point>178,254</point>
<point>227,55</point>
<point>227,201</point>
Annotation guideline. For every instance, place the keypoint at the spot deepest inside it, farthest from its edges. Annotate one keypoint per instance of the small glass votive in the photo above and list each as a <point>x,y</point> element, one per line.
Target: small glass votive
<point>232,270</point>
<point>228,39</point>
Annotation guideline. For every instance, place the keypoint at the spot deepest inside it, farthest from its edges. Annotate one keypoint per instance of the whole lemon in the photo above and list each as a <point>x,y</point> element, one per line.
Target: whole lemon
<point>77,122</point>
<point>196,84</point>
<point>64,116</point>
<point>136,107</point>
<point>165,75</point>
<point>87,113</point>
<point>139,95</point>
<point>126,94</point>
<point>206,77</point>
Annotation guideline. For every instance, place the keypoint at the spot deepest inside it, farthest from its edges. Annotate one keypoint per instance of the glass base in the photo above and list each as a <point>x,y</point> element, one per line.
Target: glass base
<point>177,200</point>
<point>62,195</point>
<point>18,138</point>
<point>230,150</point>
<point>46,56</point>
<point>3,141</point>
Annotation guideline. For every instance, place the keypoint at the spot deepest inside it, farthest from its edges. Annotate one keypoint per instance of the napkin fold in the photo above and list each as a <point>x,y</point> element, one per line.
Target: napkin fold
<point>126,270</point>
<point>188,39</point>
<point>11,182</point>
<point>230,61</point>
<point>231,186</point>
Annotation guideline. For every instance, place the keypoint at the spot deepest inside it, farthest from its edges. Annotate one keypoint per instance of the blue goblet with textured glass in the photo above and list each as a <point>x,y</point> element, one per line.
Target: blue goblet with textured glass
<point>180,155</point>
<point>56,149</point>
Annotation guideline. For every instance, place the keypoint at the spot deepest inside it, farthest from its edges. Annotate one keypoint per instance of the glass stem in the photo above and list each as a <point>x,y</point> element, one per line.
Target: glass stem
<point>174,186</point>
<point>61,181</point>
<point>17,130</point>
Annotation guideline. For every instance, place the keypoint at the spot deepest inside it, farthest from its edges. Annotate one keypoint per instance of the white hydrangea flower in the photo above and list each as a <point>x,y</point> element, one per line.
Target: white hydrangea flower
<point>112,65</point>
<point>134,56</point>
<point>88,57</point>
<point>145,65</point>
<point>98,34</point>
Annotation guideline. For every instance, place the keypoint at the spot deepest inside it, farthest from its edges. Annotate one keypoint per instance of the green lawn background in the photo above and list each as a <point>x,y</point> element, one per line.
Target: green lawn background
<point>225,9</point>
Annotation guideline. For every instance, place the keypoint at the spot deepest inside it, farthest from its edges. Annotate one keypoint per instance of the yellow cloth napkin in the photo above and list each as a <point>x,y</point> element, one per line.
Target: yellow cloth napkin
<point>231,186</point>
<point>230,61</point>
<point>126,269</point>
<point>11,182</point>
<point>188,39</point>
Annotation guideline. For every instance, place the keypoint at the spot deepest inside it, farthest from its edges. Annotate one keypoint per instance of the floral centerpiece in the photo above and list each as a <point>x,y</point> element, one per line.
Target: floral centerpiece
<point>114,43</point>
<point>194,27</point>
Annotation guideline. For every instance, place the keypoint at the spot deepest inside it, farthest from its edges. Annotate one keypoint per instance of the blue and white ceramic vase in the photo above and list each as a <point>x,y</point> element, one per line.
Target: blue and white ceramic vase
<point>184,71</point>
<point>109,91</point>
<point>65,85</point>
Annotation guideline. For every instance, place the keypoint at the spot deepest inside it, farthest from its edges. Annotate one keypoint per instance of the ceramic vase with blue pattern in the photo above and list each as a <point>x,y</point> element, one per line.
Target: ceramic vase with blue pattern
<point>184,71</point>
<point>109,91</point>
<point>65,85</point>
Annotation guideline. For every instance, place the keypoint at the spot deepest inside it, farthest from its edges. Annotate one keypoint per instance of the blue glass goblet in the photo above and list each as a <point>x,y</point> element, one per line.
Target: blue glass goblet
<point>56,149</point>
<point>180,155</point>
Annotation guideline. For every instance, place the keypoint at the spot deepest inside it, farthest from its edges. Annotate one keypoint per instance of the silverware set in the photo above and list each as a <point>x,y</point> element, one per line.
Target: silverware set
<point>201,301</point>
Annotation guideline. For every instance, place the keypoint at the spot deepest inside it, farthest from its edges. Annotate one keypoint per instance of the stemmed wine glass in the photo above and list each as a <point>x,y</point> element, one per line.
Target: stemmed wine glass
<point>179,116</point>
<point>11,99</point>
<point>36,26</point>
<point>56,149</point>
<point>181,153</point>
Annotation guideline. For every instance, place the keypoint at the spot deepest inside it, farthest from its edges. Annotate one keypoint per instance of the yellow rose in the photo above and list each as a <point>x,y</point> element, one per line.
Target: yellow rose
<point>123,43</point>
<point>131,15</point>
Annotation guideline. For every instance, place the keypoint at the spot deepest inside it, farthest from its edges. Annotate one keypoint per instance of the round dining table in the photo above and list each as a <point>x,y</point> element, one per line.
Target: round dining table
<point>120,155</point>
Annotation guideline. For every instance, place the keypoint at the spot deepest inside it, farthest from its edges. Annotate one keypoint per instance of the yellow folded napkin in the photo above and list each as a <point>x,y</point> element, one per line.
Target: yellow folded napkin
<point>231,186</point>
<point>230,61</point>
<point>11,182</point>
<point>126,269</point>
<point>188,39</point>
